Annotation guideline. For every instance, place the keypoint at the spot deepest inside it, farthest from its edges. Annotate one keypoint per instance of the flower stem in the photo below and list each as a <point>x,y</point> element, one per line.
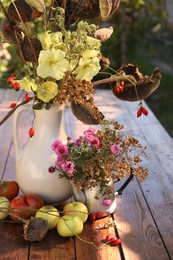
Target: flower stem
<point>12,111</point>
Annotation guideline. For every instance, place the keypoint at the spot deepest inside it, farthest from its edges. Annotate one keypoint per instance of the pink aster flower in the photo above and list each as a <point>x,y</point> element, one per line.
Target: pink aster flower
<point>62,150</point>
<point>89,131</point>
<point>106,202</point>
<point>68,167</point>
<point>94,141</point>
<point>59,163</point>
<point>55,145</point>
<point>115,149</point>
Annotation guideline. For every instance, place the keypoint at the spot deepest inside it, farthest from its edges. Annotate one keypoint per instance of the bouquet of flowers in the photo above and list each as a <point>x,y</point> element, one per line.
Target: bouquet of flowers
<point>61,55</point>
<point>99,156</point>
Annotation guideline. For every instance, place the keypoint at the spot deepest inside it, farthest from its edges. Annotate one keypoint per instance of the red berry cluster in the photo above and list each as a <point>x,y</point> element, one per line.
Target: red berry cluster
<point>12,82</point>
<point>142,110</point>
<point>95,216</point>
<point>115,241</point>
<point>8,28</point>
<point>119,88</point>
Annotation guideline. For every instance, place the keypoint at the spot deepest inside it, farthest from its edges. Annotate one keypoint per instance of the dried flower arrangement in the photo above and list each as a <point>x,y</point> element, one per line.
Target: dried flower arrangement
<point>99,156</point>
<point>61,54</point>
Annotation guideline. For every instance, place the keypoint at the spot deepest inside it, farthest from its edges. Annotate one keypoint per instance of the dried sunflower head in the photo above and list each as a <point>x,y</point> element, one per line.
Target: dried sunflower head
<point>35,229</point>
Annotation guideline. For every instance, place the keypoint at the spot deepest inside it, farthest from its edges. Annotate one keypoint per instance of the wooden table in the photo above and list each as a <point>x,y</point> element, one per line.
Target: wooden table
<point>144,214</point>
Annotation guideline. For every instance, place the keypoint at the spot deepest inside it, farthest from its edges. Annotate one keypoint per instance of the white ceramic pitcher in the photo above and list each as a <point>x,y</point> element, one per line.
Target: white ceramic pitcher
<point>34,159</point>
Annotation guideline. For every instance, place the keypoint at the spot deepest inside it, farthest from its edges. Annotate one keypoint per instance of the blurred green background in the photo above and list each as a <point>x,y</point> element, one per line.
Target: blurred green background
<point>143,35</point>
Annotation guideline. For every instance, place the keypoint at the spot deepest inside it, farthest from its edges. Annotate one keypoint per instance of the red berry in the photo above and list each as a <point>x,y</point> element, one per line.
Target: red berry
<point>7,28</point>
<point>122,83</point>
<point>12,105</point>
<point>51,169</point>
<point>117,242</point>
<point>10,80</point>
<point>27,97</point>
<point>108,238</point>
<point>13,75</point>
<point>118,89</point>
<point>92,216</point>
<point>16,86</point>
<point>31,132</point>
<point>37,14</point>
<point>139,112</point>
<point>99,215</point>
<point>144,111</point>
<point>113,240</point>
<point>15,28</point>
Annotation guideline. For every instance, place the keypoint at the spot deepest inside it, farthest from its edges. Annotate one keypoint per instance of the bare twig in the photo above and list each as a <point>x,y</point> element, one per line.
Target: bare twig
<point>12,111</point>
<point>114,79</point>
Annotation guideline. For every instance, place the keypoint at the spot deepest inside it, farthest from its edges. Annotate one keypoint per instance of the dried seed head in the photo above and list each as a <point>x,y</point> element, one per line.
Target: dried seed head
<point>105,7</point>
<point>87,113</point>
<point>115,5</point>
<point>35,229</point>
<point>10,32</point>
<point>31,49</point>
<point>24,12</point>
<point>144,87</point>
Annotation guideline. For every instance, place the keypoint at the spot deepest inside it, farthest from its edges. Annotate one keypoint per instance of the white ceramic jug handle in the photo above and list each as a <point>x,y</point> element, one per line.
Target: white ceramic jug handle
<point>18,111</point>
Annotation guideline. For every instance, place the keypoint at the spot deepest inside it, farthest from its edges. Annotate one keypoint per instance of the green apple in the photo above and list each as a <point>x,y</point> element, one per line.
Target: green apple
<point>69,226</point>
<point>4,206</point>
<point>50,213</point>
<point>76,209</point>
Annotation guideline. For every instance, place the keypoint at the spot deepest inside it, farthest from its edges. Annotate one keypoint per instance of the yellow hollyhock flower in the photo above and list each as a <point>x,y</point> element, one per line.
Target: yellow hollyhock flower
<point>93,42</point>
<point>90,54</point>
<point>28,85</point>
<point>45,39</point>
<point>47,91</point>
<point>89,65</point>
<point>56,39</point>
<point>87,69</point>
<point>51,40</point>
<point>52,63</point>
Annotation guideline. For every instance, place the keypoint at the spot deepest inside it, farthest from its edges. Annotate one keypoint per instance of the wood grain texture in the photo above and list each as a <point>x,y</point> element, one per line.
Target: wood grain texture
<point>93,233</point>
<point>12,244</point>
<point>53,247</point>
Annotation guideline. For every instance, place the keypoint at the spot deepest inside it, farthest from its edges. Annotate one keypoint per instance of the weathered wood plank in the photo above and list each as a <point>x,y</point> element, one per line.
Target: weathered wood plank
<point>94,234</point>
<point>136,227</point>
<point>157,188</point>
<point>53,247</point>
<point>12,244</point>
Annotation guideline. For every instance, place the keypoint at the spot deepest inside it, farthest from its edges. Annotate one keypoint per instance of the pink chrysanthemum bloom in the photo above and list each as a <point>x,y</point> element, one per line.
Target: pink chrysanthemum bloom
<point>89,131</point>
<point>106,202</point>
<point>61,150</point>
<point>115,149</point>
<point>94,141</point>
<point>55,145</point>
<point>68,167</point>
<point>59,163</point>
